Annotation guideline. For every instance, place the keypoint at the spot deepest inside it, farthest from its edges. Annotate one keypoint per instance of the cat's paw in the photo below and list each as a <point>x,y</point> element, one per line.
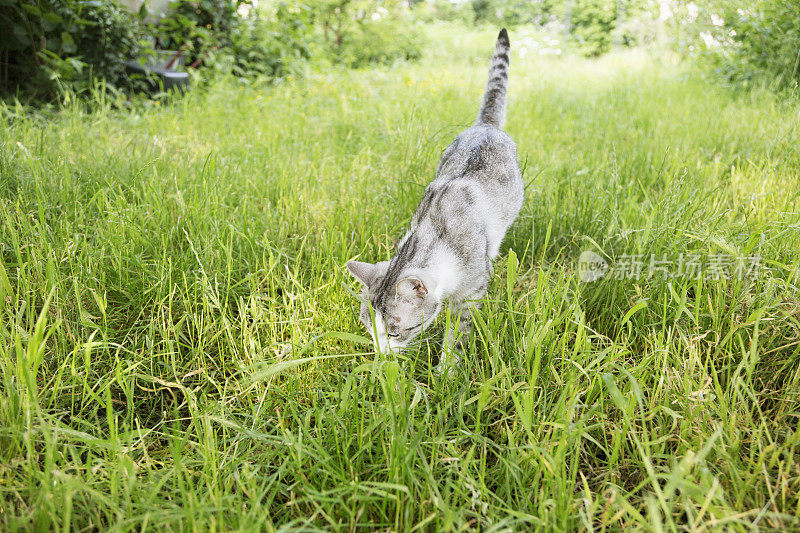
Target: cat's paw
<point>447,365</point>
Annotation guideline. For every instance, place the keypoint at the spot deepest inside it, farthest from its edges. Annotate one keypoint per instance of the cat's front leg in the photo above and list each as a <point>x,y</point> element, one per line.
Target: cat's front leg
<point>456,340</point>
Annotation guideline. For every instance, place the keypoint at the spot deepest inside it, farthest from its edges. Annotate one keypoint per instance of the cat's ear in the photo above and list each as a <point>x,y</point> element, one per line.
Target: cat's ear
<point>411,288</point>
<point>363,272</point>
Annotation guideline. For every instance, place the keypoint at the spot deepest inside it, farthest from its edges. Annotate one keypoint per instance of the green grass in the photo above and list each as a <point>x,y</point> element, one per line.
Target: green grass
<point>178,347</point>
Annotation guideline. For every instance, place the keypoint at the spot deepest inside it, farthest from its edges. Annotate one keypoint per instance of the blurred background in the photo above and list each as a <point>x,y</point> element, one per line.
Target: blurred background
<point>50,47</point>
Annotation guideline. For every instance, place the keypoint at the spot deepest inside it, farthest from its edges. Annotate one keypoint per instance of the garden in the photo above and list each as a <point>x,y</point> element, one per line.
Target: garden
<point>180,346</point>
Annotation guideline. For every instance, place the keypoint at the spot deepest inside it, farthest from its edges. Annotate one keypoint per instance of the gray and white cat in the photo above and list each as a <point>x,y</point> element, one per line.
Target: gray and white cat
<point>456,232</point>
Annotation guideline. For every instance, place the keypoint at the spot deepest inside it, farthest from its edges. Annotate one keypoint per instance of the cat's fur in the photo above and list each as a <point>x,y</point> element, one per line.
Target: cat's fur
<point>455,232</point>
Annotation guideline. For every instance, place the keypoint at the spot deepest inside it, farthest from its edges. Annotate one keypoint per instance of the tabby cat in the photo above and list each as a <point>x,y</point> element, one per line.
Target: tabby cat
<point>447,253</point>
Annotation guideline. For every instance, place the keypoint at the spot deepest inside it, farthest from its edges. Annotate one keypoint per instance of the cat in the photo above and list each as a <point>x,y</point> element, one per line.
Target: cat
<point>446,255</point>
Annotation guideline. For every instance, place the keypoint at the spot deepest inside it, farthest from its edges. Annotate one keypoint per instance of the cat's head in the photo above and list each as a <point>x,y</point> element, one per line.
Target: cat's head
<point>402,305</point>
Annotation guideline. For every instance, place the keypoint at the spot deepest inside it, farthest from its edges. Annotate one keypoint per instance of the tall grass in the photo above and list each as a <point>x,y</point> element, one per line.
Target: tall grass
<point>178,347</point>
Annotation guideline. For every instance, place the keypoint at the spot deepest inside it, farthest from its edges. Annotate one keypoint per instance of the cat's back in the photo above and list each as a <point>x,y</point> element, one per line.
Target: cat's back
<point>482,154</point>
<point>478,184</point>
<point>475,196</point>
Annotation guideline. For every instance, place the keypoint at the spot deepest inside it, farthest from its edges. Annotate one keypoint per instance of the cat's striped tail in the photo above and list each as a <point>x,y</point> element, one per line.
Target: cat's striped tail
<point>493,110</point>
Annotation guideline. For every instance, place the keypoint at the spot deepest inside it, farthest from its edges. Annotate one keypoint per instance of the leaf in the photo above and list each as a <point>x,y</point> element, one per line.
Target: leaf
<point>358,339</point>
<point>67,42</point>
<point>76,64</point>
<point>5,286</point>
<point>511,271</point>
<point>641,304</point>
<point>273,369</point>
<point>616,395</point>
<point>55,18</point>
<point>21,34</point>
<point>277,368</point>
<point>32,9</point>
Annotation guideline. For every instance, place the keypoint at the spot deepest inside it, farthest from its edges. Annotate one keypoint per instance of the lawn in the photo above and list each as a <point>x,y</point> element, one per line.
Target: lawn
<point>179,345</point>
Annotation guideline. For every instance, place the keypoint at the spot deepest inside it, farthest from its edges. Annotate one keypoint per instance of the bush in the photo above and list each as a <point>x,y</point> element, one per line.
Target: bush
<point>48,42</point>
<point>273,46</point>
<point>516,12</point>
<point>593,22</point>
<point>74,42</point>
<point>198,26</point>
<point>380,42</point>
<point>278,38</point>
<point>359,32</point>
<point>765,45</point>
<point>445,10</point>
<point>71,43</point>
<point>593,25</point>
<point>637,22</point>
<point>748,46</point>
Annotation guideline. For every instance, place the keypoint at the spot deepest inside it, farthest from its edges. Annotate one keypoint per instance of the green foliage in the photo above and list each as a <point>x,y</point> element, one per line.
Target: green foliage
<point>198,26</point>
<point>593,22</point>
<point>592,25</point>
<point>272,44</point>
<point>280,37</point>
<point>108,37</point>
<point>360,32</point>
<point>764,45</point>
<point>381,42</point>
<point>73,42</point>
<point>516,12</point>
<point>748,46</point>
<point>637,22</point>
<point>446,11</point>
<point>216,15</point>
<point>50,42</point>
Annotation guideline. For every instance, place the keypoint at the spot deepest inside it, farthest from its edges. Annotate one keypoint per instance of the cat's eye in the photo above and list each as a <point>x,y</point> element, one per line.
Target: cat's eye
<point>394,335</point>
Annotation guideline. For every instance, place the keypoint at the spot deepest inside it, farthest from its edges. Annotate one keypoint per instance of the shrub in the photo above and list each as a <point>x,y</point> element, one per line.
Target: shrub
<point>380,42</point>
<point>199,26</point>
<point>358,32</point>
<point>272,46</point>
<point>48,42</point>
<point>637,22</point>
<point>72,42</point>
<point>276,39</point>
<point>765,45</point>
<point>516,12</point>
<point>751,45</point>
<point>592,24</point>
<point>445,10</point>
